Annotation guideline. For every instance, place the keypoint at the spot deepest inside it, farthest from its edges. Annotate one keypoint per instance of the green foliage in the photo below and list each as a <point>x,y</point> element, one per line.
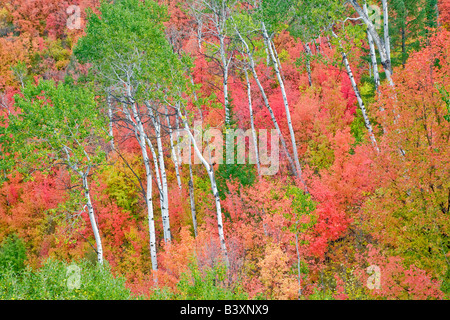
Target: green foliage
<point>320,154</point>
<point>445,96</point>
<point>58,53</point>
<point>20,71</point>
<point>409,21</point>
<point>302,205</point>
<point>338,282</point>
<point>122,188</point>
<point>208,284</point>
<point>244,173</point>
<point>312,18</point>
<point>275,13</point>
<point>56,281</point>
<point>128,44</point>
<point>12,254</point>
<point>357,128</point>
<point>320,295</point>
<point>445,286</point>
<point>54,124</point>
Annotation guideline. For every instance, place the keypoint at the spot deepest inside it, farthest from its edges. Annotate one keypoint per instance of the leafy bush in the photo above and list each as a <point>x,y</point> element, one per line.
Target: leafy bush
<point>208,284</point>
<point>12,254</point>
<point>58,280</point>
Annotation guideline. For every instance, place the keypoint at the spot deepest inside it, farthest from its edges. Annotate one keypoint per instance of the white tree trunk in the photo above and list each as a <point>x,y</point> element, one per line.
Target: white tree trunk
<point>387,39</point>
<point>385,60</point>
<point>373,57</point>
<point>191,181</point>
<point>215,191</point>
<point>162,183</point>
<point>172,150</point>
<point>91,213</point>
<point>141,138</point>
<point>110,116</point>
<point>286,106</point>
<point>192,195</point>
<point>150,214</point>
<point>266,103</point>
<point>162,167</point>
<point>250,108</point>
<point>308,63</point>
<point>360,102</point>
<point>266,47</point>
<point>358,97</point>
<point>225,65</point>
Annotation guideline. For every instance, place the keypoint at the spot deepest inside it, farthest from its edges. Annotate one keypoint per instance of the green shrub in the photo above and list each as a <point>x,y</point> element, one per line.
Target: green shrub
<point>208,284</point>
<point>12,254</point>
<point>58,280</point>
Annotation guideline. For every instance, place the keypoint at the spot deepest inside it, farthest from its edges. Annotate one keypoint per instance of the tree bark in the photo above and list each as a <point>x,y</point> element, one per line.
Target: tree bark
<point>191,181</point>
<point>387,39</point>
<point>360,102</point>
<point>373,57</point>
<point>91,213</point>
<point>210,171</point>
<point>358,97</point>
<point>403,47</point>
<point>225,65</point>
<point>286,106</point>
<point>266,103</point>
<point>192,195</point>
<point>250,108</point>
<point>308,63</point>
<point>110,116</point>
<point>141,138</point>
<point>172,150</point>
<point>385,59</point>
<point>164,190</point>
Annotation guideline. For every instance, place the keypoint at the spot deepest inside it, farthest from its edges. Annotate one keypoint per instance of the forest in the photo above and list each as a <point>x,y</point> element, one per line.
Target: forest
<point>224,149</point>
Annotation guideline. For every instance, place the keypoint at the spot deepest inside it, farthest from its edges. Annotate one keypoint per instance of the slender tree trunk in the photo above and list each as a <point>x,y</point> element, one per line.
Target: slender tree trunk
<point>266,47</point>
<point>141,138</point>
<point>172,149</point>
<point>278,59</point>
<point>286,106</point>
<point>438,23</point>
<point>317,46</point>
<point>358,97</point>
<point>162,168</point>
<point>373,57</point>
<point>308,63</point>
<point>250,108</point>
<point>91,213</point>
<point>210,171</point>
<point>191,180</point>
<point>192,195</point>
<point>266,103</point>
<point>164,196</point>
<point>157,175</point>
<point>225,66</point>
<point>299,273</point>
<point>403,47</point>
<point>360,102</point>
<point>150,214</point>
<point>387,39</point>
<point>382,49</point>
<point>110,116</point>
